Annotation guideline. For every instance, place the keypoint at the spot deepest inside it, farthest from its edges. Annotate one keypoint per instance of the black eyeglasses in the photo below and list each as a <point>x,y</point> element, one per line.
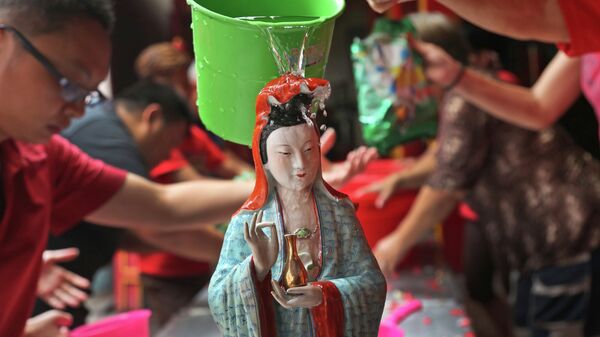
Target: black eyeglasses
<point>70,92</point>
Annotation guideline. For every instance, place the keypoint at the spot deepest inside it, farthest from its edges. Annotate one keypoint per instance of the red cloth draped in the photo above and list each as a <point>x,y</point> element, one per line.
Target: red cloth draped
<point>328,317</point>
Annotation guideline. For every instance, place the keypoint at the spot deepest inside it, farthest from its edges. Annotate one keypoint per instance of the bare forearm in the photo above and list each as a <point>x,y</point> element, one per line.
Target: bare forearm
<point>532,19</point>
<point>534,108</point>
<point>511,103</point>
<point>143,205</point>
<point>429,209</point>
<point>202,245</point>
<point>203,202</point>
<point>416,175</point>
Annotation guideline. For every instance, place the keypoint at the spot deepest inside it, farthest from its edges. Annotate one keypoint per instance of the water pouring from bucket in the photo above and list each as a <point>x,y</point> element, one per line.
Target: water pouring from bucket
<point>241,45</point>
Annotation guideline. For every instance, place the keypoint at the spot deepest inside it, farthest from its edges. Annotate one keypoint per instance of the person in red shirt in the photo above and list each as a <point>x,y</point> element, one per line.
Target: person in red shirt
<point>572,24</point>
<point>169,281</point>
<point>53,56</point>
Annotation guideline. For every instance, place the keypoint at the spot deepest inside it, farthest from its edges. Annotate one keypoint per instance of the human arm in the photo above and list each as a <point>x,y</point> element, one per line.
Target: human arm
<point>141,204</point>
<point>57,286</point>
<point>429,209</point>
<point>540,20</point>
<point>52,323</point>
<point>464,139</point>
<point>381,6</point>
<point>203,245</point>
<point>534,108</point>
<point>337,174</point>
<point>411,177</point>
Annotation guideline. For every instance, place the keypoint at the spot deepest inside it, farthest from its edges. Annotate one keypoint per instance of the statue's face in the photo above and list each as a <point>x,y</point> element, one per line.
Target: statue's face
<point>293,156</point>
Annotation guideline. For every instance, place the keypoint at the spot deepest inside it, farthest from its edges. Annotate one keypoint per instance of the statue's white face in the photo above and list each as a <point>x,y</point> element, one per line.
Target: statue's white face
<point>293,156</point>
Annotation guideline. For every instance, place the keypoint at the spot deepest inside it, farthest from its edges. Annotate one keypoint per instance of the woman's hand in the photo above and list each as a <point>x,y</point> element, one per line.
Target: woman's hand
<point>300,297</point>
<point>338,174</point>
<point>440,67</point>
<point>381,6</point>
<point>264,249</point>
<point>384,188</point>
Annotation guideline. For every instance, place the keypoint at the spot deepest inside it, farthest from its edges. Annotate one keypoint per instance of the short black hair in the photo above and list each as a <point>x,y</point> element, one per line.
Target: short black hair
<point>143,93</point>
<point>44,16</point>
<point>293,112</point>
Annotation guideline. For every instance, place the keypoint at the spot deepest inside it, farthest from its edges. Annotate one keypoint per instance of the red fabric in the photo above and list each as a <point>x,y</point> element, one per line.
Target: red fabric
<point>162,172</point>
<point>266,312</point>
<point>166,264</point>
<point>582,18</point>
<point>507,76</point>
<point>47,188</point>
<point>197,146</point>
<point>283,89</point>
<point>377,223</point>
<point>590,81</point>
<point>328,317</point>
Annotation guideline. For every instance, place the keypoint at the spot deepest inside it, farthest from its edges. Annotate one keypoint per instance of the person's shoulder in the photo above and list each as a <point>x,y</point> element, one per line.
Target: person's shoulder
<point>100,118</point>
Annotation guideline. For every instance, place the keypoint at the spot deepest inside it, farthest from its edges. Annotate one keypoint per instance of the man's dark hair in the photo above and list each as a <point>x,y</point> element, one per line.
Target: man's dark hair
<point>293,112</point>
<point>44,16</point>
<point>138,96</point>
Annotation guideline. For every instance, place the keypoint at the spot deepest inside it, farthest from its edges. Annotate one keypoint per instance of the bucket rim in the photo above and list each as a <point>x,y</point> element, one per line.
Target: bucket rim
<point>195,6</point>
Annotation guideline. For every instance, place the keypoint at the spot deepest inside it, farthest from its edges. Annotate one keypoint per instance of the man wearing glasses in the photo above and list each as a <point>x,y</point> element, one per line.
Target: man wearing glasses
<point>53,54</point>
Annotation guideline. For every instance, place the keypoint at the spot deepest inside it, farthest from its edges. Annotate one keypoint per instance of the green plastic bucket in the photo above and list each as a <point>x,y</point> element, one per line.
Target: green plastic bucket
<point>234,60</point>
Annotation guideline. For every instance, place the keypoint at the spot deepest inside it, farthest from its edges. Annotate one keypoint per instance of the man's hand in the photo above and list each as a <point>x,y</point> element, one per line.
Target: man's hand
<point>337,174</point>
<point>381,6</point>
<point>388,253</point>
<point>57,286</point>
<point>264,249</point>
<point>300,297</point>
<point>52,323</point>
<point>440,68</point>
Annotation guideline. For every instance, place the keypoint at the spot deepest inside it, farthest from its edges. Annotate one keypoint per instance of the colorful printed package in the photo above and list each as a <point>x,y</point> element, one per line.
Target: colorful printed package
<point>395,103</point>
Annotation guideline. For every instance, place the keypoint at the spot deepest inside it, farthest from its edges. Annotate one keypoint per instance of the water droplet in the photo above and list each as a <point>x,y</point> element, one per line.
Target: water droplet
<point>205,60</point>
<point>204,22</point>
<point>324,113</point>
<point>323,127</point>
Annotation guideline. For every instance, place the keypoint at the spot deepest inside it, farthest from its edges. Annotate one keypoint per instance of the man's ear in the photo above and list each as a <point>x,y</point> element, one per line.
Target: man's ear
<point>152,115</point>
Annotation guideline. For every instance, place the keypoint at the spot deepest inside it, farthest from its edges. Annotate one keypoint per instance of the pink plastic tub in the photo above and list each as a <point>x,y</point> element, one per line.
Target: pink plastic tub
<point>129,324</point>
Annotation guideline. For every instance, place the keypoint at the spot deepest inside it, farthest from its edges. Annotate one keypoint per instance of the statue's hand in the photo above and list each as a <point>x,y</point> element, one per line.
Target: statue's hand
<point>264,249</point>
<point>300,297</point>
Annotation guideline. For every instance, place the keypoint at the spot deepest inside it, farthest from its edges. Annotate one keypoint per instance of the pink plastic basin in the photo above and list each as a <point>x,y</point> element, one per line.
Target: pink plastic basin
<point>129,324</point>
